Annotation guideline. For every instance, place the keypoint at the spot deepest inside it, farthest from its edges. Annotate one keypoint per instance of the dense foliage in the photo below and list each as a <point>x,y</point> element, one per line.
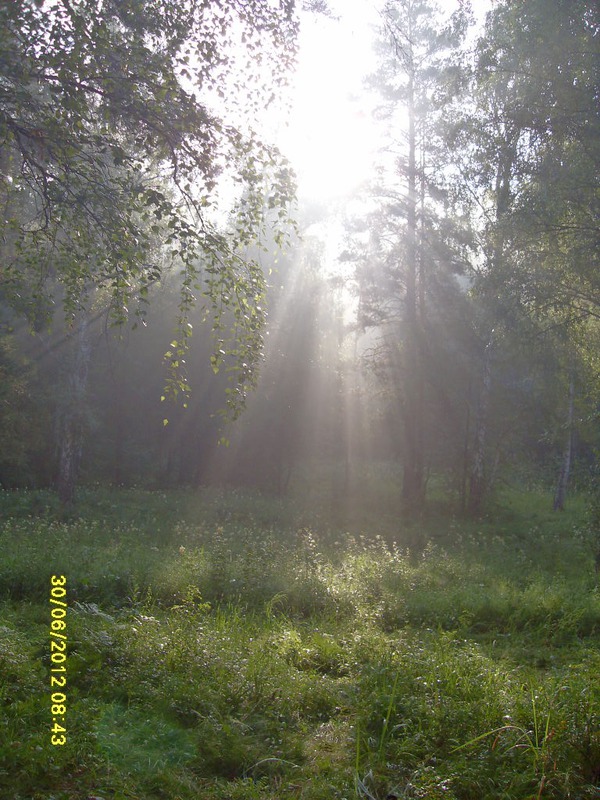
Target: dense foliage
<point>115,142</point>
<point>477,265</point>
<point>460,342</point>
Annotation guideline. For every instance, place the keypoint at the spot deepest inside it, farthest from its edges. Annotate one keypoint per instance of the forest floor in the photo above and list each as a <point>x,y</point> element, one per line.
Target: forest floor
<point>224,646</point>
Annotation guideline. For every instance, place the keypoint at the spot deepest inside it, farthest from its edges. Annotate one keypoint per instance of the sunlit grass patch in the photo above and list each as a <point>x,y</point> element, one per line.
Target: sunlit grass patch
<point>230,658</point>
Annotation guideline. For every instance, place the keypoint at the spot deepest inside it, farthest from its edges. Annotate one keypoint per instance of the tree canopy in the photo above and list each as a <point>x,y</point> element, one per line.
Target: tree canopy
<point>114,147</point>
<point>456,339</point>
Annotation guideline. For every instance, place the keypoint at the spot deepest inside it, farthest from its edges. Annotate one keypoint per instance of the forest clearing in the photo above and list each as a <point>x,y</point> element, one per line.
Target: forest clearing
<point>226,645</point>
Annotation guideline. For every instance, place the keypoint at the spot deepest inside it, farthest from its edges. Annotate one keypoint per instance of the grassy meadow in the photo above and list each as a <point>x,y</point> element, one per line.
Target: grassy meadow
<point>223,645</point>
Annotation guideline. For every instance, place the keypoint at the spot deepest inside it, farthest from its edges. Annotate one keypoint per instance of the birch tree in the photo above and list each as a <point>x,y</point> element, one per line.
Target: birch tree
<point>121,124</point>
<point>533,166</point>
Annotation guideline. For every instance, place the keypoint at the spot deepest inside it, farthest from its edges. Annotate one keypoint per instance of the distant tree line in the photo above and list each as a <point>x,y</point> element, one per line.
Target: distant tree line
<point>478,265</point>
<point>460,341</point>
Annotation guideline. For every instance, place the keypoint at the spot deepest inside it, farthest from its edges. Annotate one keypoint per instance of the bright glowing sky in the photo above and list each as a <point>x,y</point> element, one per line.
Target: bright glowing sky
<point>332,138</point>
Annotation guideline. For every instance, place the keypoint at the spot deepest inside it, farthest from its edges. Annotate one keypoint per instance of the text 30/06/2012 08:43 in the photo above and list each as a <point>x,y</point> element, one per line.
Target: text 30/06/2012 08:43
<point>58,658</point>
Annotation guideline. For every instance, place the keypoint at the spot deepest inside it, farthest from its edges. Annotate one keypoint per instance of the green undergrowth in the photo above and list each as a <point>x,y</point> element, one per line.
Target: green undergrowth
<point>221,646</point>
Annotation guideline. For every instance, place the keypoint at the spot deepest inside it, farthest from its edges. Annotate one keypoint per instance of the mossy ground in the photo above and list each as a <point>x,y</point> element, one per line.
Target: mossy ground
<point>225,645</point>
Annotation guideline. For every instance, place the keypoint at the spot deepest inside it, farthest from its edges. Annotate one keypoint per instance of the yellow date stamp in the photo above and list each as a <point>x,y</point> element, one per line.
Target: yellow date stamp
<point>58,658</point>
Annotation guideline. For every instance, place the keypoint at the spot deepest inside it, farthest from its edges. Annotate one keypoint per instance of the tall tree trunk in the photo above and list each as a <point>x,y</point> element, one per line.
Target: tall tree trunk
<point>464,478</point>
<point>72,416</point>
<point>565,469</point>
<point>8,205</point>
<point>477,482</point>
<point>413,469</point>
<point>503,198</point>
<point>119,446</point>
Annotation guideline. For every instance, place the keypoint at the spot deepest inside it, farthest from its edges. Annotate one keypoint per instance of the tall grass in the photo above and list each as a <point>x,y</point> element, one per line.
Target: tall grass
<point>222,647</point>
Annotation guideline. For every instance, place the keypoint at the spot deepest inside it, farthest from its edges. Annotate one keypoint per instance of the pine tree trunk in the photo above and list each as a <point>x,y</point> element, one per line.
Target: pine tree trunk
<point>71,424</point>
<point>464,477</point>
<point>565,469</point>
<point>477,482</point>
<point>478,485</point>
<point>413,469</point>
